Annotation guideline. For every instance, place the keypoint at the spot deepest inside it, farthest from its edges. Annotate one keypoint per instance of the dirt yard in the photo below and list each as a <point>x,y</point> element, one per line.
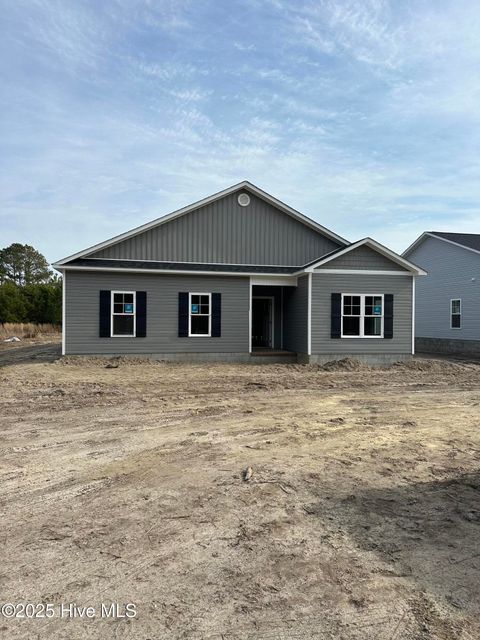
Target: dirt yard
<point>124,484</point>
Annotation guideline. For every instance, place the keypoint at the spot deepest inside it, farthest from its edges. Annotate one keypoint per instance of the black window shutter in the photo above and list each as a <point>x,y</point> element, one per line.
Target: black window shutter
<point>336,316</point>
<point>388,316</point>
<point>141,314</point>
<point>216,315</point>
<point>182,314</point>
<point>105,313</point>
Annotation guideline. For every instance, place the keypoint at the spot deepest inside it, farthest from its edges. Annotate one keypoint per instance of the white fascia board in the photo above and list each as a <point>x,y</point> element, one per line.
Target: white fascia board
<point>368,272</point>
<point>376,246</point>
<point>201,203</point>
<point>62,268</point>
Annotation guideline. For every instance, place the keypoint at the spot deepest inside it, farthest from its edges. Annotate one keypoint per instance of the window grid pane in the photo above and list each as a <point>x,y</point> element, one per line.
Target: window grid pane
<point>123,304</point>
<point>199,305</point>
<point>351,305</point>
<point>455,306</point>
<point>123,325</point>
<point>199,325</point>
<point>372,326</point>
<point>351,326</point>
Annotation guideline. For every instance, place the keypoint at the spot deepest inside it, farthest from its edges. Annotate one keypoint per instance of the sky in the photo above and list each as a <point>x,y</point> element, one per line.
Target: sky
<point>363,115</point>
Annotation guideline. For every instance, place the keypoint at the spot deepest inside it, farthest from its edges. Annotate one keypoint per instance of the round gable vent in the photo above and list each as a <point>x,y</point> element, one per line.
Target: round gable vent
<point>243,199</point>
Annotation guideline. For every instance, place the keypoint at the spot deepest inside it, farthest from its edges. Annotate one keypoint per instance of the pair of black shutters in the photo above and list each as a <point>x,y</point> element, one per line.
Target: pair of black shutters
<point>141,314</point>
<point>336,317</point>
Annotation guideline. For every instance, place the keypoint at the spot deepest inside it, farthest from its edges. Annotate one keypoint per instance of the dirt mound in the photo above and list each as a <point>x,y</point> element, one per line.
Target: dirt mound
<point>103,361</point>
<point>433,366</point>
<point>346,364</point>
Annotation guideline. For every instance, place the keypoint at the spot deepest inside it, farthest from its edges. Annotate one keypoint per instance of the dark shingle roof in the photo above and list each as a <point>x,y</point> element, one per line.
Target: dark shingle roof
<point>470,240</point>
<point>180,266</point>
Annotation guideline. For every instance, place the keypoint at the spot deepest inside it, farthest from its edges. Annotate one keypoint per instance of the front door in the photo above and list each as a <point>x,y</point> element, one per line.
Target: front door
<point>262,322</point>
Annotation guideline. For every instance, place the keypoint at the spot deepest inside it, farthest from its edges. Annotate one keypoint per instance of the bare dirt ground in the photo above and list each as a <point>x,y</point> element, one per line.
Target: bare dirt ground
<point>361,520</point>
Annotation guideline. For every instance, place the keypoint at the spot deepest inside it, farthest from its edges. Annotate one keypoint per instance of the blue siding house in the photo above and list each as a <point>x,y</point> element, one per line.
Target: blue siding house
<point>447,300</point>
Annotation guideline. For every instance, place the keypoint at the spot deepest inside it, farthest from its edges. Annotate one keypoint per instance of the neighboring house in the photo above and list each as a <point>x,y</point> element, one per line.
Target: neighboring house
<point>238,276</point>
<point>447,311</point>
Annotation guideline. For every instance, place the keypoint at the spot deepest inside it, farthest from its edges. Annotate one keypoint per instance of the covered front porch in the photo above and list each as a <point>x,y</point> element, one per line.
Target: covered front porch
<point>278,319</point>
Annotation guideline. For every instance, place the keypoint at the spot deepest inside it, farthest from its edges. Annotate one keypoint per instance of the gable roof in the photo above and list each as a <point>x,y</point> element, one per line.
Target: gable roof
<point>245,184</point>
<point>469,241</point>
<point>376,246</point>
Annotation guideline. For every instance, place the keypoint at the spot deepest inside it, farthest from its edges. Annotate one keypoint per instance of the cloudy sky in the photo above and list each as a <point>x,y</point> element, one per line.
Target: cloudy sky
<point>364,115</point>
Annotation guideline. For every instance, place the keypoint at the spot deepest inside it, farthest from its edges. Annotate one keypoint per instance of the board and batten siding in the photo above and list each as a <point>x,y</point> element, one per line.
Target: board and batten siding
<point>82,313</point>
<point>224,232</point>
<point>362,258</point>
<point>295,316</point>
<point>453,273</point>
<point>323,285</point>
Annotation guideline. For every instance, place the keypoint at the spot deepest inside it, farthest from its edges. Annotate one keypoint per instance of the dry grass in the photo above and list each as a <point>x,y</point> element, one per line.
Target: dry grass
<point>27,329</point>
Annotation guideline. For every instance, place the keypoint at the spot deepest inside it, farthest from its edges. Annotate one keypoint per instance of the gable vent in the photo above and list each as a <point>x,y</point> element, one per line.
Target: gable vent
<point>243,199</point>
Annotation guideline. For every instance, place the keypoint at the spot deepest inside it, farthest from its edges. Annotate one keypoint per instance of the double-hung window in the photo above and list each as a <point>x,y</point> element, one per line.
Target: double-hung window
<point>362,315</point>
<point>123,314</point>
<point>455,314</point>
<point>200,314</point>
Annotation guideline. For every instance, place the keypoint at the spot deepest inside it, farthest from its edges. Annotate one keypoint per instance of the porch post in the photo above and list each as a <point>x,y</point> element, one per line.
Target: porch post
<point>309,316</point>
<point>250,315</point>
<point>413,315</point>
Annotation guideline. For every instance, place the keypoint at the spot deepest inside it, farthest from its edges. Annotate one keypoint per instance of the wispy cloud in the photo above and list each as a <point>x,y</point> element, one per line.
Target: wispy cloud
<point>362,114</point>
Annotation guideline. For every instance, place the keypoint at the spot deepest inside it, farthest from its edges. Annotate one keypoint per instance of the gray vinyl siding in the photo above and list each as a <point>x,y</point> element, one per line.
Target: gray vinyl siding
<point>82,313</point>
<point>225,232</point>
<point>295,316</point>
<point>323,285</point>
<point>362,258</point>
<point>450,272</point>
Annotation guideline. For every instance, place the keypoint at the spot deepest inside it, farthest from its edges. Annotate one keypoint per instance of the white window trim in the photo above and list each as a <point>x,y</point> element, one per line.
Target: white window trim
<point>456,314</point>
<point>199,335</point>
<point>131,335</point>
<point>362,315</point>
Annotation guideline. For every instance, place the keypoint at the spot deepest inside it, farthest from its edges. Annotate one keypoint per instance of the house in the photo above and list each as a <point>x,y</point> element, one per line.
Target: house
<point>238,276</point>
<point>447,307</point>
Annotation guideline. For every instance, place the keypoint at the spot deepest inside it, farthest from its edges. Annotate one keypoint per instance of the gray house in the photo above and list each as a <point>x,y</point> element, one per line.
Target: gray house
<point>447,315</point>
<point>238,276</point>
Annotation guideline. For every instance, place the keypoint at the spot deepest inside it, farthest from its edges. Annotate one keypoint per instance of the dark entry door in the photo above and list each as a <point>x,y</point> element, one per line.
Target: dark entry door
<point>262,322</point>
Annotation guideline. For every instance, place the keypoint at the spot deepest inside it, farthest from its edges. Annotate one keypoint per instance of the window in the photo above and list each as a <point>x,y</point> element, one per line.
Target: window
<point>455,314</point>
<point>199,314</point>
<point>362,315</point>
<point>123,314</point>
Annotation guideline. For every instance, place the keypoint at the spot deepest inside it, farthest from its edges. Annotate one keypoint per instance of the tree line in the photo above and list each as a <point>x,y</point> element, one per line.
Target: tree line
<point>29,290</point>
